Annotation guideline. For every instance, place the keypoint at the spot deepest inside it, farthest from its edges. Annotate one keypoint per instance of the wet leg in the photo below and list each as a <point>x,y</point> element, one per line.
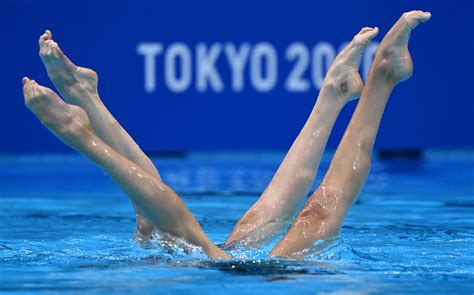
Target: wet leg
<point>78,86</point>
<point>275,208</point>
<point>160,204</point>
<point>324,212</point>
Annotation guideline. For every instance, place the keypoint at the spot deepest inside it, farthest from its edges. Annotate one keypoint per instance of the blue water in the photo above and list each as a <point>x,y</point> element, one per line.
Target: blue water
<point>65,227</point>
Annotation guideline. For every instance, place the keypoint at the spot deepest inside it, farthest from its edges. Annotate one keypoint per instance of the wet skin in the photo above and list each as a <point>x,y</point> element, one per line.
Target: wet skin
<point>84,123</point>
<point>324,212</point>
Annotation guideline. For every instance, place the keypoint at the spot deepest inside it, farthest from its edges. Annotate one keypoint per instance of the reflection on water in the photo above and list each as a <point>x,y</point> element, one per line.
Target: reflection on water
<point>69,229</point>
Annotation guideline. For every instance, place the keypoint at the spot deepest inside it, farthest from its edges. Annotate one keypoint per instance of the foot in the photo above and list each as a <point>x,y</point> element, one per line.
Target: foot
<point>393,55</point>
<point>76,84</point>
<point>68,122</point>
<point>344,72</point>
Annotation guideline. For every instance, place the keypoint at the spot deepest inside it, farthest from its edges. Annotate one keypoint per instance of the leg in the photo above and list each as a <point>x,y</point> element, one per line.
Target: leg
<point>79,87</point>
<point>159,203</point>
<point>271,214</point>
<point>324,212</point>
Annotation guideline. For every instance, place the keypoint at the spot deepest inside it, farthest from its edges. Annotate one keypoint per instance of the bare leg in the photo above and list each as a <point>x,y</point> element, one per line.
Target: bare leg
<point>159,203</point>
<point>324,212</point>
<point>275,208</point>
<point>78,86</point>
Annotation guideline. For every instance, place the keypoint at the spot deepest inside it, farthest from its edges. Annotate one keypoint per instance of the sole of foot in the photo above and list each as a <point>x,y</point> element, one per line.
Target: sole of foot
<point>344,72</point>
<point>68,122</point>
<point>393,50</point>
<point>76,84</point>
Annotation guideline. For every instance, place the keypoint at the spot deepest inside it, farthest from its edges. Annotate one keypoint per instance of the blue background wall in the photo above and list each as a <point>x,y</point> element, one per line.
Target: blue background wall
<point>434,109</point>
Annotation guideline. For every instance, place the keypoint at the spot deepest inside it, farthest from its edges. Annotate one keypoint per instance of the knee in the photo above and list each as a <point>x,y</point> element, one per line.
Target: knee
<point>323,218</point>
<point>323,205</point>
<point>249,218</point>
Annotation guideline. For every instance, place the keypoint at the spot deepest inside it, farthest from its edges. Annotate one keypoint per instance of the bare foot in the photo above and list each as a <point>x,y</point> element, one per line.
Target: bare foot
<point>393,50</point>
<point>68,122</point>
<point>344,72</point>
<point>76,84</point>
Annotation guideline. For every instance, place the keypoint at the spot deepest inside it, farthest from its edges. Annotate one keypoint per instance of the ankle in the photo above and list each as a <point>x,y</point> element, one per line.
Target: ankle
<point>330,96</point>
<point>393,63</point>
<point>345,86</point>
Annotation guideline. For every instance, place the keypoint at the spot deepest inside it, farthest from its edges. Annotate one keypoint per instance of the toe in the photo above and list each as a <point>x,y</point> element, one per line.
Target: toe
<point>370,33</point>
<point>364,29</point>
<point>423,16</point>
<point>25,87</point>
<point>415,17</point>
<point>46,36</point>
<point>33,89</point>
<point>27,91</point>
<point>352,53</point>
<point>48,47</point>
<point>365,35</point>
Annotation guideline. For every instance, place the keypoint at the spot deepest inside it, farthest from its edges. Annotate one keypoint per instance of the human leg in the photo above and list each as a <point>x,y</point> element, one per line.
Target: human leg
<point>272,212</point>
<point>78,86</point>
<point>324,212</point>
<point>159,203</point>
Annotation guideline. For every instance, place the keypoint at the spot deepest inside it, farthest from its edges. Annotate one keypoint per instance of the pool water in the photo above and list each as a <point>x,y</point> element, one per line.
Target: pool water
<point>66,228</point>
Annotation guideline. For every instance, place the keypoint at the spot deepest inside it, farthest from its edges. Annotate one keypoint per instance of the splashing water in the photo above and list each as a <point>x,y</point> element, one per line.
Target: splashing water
<point>68,229</point>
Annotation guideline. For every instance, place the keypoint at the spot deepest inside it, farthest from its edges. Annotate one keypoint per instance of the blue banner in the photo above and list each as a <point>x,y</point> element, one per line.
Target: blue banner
<point>236,75</point>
